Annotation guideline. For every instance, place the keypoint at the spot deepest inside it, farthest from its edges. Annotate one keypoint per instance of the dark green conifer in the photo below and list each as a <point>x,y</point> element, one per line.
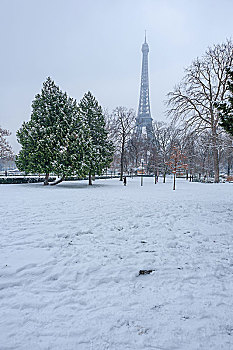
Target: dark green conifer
<point>101,150</point>
<point>55,140</point>
<point>226,109</point>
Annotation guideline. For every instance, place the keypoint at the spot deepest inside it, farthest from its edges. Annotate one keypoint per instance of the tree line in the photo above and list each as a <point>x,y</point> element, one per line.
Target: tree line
<point>66,138</point>
<point>200,113</point>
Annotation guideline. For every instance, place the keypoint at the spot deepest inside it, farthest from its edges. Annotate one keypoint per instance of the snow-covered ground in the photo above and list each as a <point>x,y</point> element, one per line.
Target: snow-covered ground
<point>70,257</point>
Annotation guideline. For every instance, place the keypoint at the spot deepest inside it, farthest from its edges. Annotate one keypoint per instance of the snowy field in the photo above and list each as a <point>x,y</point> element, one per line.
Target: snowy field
<point>70,257</point>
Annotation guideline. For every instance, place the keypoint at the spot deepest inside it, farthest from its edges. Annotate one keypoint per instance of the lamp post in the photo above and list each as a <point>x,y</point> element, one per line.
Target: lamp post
<point>142,172</point>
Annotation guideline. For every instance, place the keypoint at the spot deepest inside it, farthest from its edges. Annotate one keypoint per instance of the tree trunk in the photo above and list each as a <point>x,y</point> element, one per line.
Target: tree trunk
<point>164,177</point>
<point>90,179</point>
<point>122,165</point>
<point>156,171</point>
<point>174,182</point>
<point>228,166</point>
<point>216,164</point>
<point>215,151</point>
<point>121,173</point>
<point>216,159</point>
<point>46,180</point>
<point>58,181</point>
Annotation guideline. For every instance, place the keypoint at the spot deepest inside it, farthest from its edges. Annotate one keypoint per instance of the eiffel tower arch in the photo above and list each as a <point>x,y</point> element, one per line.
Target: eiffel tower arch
<point>144,115</point>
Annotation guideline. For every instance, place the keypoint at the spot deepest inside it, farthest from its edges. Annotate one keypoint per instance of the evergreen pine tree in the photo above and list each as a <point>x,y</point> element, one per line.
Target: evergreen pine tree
<point>101,151</point>
<point>54,140</point>
<point>226,109</point>
<point>73,141</point>
<point>6,152</point>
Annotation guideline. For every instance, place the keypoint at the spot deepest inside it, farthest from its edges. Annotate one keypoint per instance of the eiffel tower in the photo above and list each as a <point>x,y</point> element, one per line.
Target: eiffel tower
<point>144,116</point>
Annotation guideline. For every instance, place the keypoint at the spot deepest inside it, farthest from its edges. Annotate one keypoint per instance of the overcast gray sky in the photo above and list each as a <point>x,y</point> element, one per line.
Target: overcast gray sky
<point>96,45</point>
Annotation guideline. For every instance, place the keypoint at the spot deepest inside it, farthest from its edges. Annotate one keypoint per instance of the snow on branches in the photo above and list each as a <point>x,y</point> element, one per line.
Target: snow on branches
<point>63,138</point>
<point>6,152</point>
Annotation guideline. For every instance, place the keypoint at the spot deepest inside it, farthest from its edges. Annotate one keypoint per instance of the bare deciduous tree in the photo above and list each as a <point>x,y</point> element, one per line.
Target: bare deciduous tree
<point>204,85</point>
<point>166,138</point>
<point>121,125</point>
